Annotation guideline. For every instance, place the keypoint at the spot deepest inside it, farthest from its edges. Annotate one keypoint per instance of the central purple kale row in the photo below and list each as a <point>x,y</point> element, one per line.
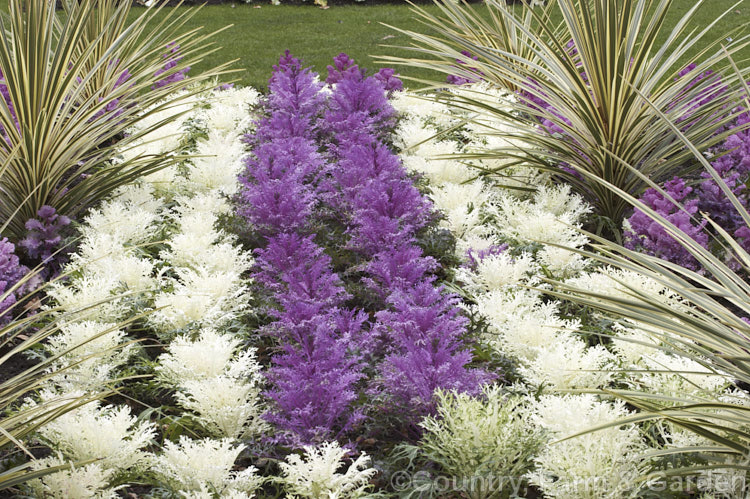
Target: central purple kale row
<point>319,157</point>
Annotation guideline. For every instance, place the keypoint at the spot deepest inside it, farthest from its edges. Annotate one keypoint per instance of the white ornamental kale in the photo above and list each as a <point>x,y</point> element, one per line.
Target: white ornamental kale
<point>316,475</point>
<point>201,465</point>
<point>109,434</point>
<point>217,382</point>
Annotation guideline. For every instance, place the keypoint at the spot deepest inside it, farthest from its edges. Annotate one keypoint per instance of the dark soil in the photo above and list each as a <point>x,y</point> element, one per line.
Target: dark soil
<point>14,365</point>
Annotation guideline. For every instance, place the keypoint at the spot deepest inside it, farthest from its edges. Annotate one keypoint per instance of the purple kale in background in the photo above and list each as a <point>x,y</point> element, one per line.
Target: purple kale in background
<point>463,80</point>
<point>44,234</point>
<point>6,97</point>
<point>474,257</point>
<point>343,64</point>
<point>711,88</point>
<point>11,271</point>
<point>733,167</point>
<point>172,56</point>
<point>389,80</point>
<point>648,235</point>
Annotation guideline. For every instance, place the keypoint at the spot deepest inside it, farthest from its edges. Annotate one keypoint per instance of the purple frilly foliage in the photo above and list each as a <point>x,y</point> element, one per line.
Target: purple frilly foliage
<point>298,273</point>
<point>711,87</point>
<point>733,167</point>
<point>358,107</point>
<point>6,97</point>
<point>649,236</point>
<point>113,110</point>
<point>342,64</point>
<point>293,104</point>
<point>44,235</point>
<point>11,271</point>
<point>474,257</point>
<point>314,374</point>
<point>427,352</point>
<point>420,327</point>
<point>276,194</point>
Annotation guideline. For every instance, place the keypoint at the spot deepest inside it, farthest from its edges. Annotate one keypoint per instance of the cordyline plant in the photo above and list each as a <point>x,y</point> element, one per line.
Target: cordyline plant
<point>711,328</point>
<point>579,83</point>
<point>76,82</point>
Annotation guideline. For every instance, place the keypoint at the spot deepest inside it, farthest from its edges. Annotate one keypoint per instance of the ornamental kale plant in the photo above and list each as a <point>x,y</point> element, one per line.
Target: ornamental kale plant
<point>320,161</point>
<point>313,375</point>
<point>173,56</point>
<point>647,235</point>
<point>11,271</point>
<point>420,327</point>
<point>706,196</point>
<point>44,234</point>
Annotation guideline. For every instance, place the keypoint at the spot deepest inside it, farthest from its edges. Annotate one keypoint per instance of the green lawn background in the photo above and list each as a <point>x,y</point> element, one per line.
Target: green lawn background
<point>261,32</point>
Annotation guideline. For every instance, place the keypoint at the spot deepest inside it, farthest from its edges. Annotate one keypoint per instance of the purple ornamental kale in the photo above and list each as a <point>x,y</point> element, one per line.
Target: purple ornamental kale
<point>359,109</point>
<point>389,80</point>
<point>294,102</point>
<point>172,56</point>
<point>464,80</point>
<point>401,268</point>
<point>648,235</point>
<point>313,380</point>
<point>474,257</point>
<point>421,329</point>
<point>343,64</point>
<point>11,271</point>
<point>44,234</point>
<point>313,376</point>
<point>711,87</point>
<point>387,215</point>
<point>276,195</point>
<point>298,273</point>
<point>113,110</point>
<point>6,97</point>
<point>733,166</point>
<point>427,351</point>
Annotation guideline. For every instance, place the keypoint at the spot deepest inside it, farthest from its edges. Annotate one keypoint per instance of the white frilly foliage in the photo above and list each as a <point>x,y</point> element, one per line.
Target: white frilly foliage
<point>602,464</point>
<point>203,465</point>
<point>317,474</point>
<point>109,434</point>
<point>489,436</point>
<point>193,282</point>
<point>216,381</point>
<point>90,481</point>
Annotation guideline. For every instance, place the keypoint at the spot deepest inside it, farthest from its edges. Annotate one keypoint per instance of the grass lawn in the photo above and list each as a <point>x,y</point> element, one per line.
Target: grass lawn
<point>261,32</point>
